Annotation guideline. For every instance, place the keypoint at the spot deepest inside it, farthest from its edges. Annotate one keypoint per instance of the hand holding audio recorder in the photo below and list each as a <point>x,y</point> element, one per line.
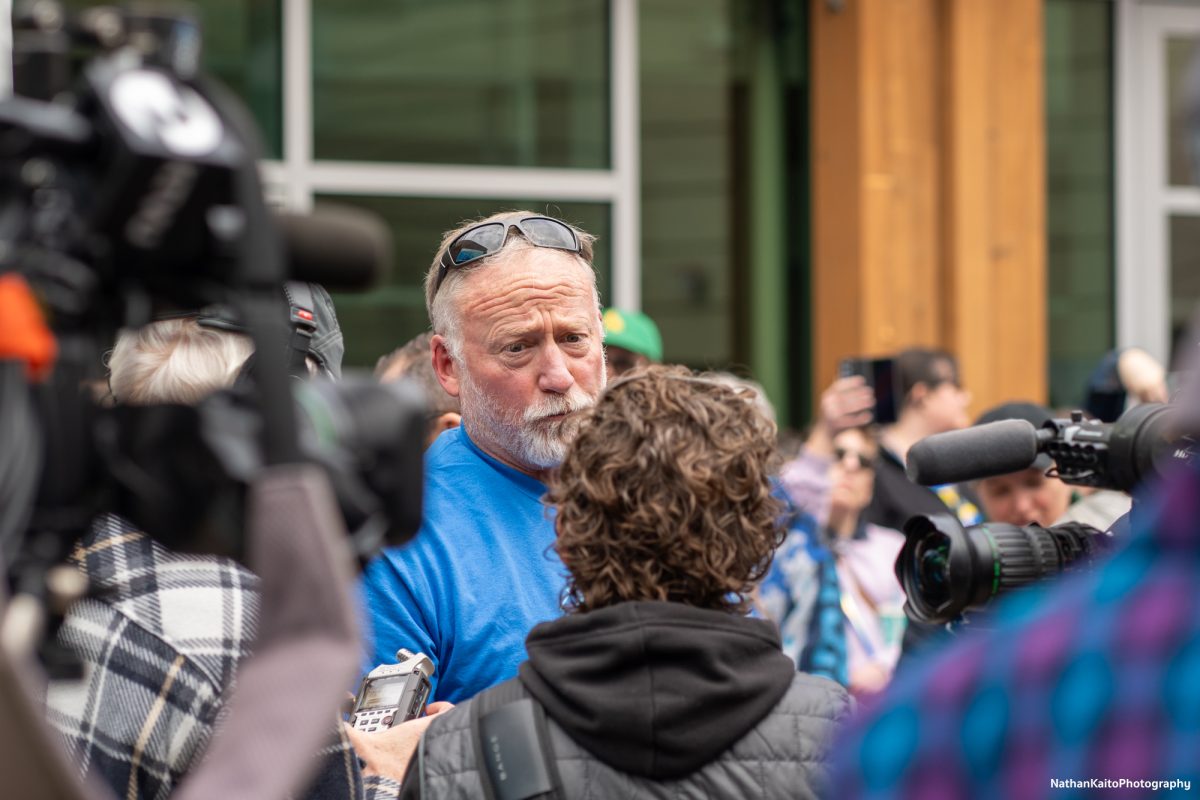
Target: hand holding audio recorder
<point>392,693</point>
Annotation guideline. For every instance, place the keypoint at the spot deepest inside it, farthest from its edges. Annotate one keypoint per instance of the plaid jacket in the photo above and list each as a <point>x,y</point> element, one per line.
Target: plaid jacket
<point>161,638</point>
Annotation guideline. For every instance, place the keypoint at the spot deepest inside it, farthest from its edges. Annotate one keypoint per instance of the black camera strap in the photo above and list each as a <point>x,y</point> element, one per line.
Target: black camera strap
<point>513,753</point>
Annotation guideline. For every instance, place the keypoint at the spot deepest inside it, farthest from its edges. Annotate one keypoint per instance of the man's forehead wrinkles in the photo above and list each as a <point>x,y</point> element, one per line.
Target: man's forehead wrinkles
<point>534,321</point>
<point>523,291</point>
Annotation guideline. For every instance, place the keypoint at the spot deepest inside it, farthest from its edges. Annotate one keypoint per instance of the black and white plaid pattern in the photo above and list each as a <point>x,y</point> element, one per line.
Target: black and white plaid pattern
<point>161,640</point>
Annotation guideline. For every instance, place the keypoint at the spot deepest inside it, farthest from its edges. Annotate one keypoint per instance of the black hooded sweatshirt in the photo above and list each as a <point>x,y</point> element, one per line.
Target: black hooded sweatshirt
<point>656,689</point>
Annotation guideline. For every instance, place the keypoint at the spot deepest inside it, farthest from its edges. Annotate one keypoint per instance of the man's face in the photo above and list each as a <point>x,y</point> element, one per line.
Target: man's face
<point>1020,498</point>
<point>532,356</point>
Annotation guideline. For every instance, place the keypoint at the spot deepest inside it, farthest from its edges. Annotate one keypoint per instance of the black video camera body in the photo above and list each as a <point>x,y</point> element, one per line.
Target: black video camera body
<point>947,569</point>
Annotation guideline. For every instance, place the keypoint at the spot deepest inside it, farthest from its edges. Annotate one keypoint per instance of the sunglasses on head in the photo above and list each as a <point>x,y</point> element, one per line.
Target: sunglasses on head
<point>487,238</point>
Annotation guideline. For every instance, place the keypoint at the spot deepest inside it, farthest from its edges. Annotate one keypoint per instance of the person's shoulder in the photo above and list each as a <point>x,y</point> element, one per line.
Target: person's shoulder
<point>451,449</point>
<point>452,722</point>
<point>816,696</point>
<point>883,536</point>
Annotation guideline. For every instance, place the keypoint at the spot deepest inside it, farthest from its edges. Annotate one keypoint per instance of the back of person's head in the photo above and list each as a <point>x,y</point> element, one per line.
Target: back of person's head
<point>930,390</point>
<point>412,360</point>
<point>665,494</point>
<point>174,361</point>
<point>922,365</point>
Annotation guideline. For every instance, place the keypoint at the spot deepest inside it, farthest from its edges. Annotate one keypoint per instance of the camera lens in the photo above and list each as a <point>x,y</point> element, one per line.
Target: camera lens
<point>946,569</point>
<point>932,565</point>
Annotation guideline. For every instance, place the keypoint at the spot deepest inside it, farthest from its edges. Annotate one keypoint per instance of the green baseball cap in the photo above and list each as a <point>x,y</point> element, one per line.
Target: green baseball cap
<point>634,331</point>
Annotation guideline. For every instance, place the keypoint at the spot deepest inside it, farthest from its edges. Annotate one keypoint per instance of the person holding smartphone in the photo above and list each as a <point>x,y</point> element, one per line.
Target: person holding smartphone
<point>930,399</point>
<point>832,480</point>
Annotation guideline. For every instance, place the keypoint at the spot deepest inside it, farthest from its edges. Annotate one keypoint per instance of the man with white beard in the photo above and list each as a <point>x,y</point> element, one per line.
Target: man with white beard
<point>519,340</point>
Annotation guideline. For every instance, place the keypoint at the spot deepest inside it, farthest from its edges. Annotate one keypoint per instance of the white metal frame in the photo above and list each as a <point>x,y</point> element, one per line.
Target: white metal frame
<point>297,178</point>
<point>1145,200</point>
<point>6,46</point>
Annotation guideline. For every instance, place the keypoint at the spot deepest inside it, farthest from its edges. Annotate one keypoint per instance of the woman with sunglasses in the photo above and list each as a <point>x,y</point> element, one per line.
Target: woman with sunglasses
<point>833,480</point>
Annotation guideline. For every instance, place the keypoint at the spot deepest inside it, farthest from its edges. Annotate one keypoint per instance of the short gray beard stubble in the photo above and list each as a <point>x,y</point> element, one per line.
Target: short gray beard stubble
<point>525,437</point>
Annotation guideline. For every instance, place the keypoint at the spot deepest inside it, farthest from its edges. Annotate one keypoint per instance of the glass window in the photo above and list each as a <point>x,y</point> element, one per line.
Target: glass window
<point>688,176</point>
<point>242,49</point>
<point>1185,279</point>
<point>377,322</point>
<point>1183,144</point>
<point>1079,175</point>
<point>504,82</point>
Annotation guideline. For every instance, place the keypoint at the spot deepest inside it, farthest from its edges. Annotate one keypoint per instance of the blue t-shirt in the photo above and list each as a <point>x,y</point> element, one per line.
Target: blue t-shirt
<point>475,580</point>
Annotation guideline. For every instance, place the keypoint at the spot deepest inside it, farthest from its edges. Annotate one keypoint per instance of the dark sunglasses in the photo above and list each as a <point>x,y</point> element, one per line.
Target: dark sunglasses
<point>861,460</point>
<point>487,238</point>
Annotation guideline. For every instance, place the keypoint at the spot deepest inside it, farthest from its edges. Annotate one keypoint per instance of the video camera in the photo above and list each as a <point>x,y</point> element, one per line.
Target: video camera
<point>128,187</point>
<point>947,569</point>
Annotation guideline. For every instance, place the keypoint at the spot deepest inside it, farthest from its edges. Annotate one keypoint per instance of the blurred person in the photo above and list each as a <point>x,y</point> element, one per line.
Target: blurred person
<point>631,339</point>
<point>413,360</point>
<point>1019,498</point>
<point>1032,495</point>
<point>1092,676</point>
<point>162,634</point>
<point>655,683</point>
<point>1123,378</point>
<point>1088,677</point>
<point>518,340</point>
<point>932,401</point>
<point>832,479</point>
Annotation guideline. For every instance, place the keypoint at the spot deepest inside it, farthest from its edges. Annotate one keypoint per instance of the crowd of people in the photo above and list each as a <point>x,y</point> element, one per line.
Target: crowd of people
<point>614,547</point>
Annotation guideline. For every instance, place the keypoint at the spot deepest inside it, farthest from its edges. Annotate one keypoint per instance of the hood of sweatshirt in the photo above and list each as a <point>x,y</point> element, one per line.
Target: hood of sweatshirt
<point>656,689</point>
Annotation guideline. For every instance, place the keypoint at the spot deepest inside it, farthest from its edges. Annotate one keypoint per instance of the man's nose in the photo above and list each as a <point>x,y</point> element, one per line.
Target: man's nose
<point>554,374</point>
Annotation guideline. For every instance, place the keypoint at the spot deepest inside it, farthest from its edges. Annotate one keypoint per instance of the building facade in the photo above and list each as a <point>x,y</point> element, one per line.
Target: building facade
<point>779,183</point>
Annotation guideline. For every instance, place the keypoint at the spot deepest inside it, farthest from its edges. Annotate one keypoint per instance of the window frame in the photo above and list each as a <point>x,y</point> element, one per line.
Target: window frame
<point>297,178</point>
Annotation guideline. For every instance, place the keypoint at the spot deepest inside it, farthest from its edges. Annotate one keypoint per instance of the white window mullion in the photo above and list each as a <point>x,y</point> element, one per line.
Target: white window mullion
<point>297,103</point>
<point>627,210</point>
<point>448,180</point>
<point>1181,200</point>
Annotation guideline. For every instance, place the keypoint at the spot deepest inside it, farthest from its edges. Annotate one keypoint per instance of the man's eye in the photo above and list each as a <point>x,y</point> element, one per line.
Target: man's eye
<point>573,338</point>
<point>516,347</point>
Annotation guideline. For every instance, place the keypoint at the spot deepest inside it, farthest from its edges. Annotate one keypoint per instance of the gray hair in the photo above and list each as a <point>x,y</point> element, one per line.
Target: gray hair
<point>174,361</point>
<point>441,302</point>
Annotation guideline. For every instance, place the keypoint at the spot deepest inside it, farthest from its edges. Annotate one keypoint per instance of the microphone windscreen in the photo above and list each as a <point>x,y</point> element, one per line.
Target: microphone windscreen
<point>340,247</point>
<point>996,448</point>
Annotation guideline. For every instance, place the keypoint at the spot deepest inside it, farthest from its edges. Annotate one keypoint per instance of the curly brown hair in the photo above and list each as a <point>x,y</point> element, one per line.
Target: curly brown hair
<point>665,495</point>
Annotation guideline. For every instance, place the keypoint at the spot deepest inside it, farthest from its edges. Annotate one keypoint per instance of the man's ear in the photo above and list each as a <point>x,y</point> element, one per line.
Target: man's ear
<point>441,423</point>
<point>444,365</point>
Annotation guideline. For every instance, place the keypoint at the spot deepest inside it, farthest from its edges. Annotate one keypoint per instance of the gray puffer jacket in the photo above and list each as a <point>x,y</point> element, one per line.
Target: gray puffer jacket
<point>657,700</point>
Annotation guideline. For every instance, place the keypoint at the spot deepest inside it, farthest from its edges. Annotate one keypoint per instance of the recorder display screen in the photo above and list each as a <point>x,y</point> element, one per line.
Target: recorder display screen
<point>384,692</point>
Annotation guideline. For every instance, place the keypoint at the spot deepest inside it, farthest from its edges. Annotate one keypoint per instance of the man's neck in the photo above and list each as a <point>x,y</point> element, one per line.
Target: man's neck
<point>537,473</point>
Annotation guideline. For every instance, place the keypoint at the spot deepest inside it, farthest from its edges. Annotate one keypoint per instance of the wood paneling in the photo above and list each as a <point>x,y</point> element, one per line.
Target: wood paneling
<point>994,197</point>
<point>928,187</point>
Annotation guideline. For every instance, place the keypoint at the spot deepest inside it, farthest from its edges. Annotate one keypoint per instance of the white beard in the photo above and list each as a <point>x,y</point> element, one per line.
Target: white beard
<point>525,436</point>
